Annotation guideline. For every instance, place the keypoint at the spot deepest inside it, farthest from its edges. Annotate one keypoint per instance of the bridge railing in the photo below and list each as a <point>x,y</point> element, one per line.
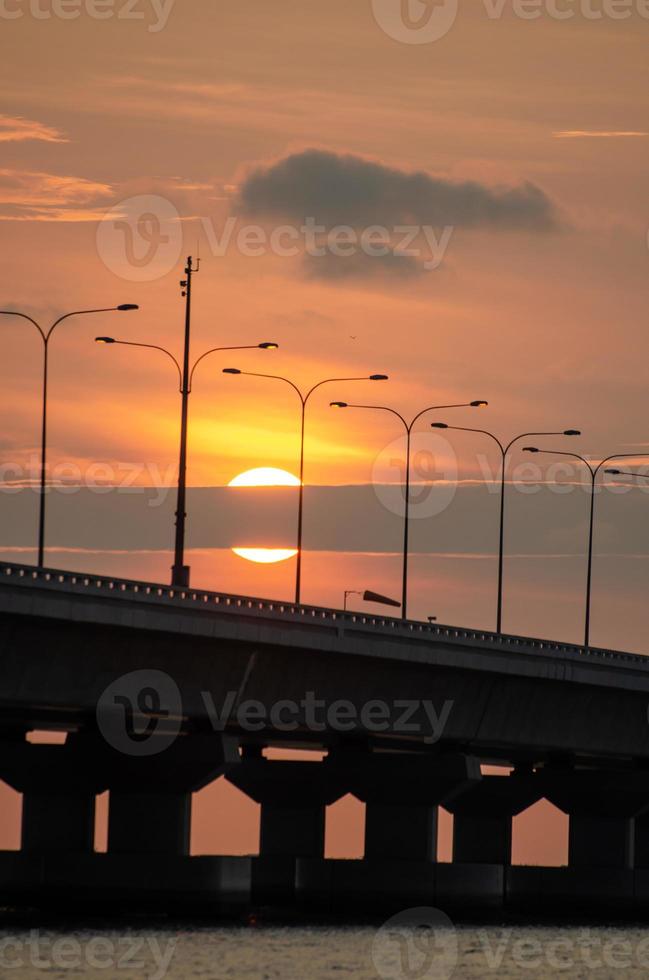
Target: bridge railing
<point>109,586</point>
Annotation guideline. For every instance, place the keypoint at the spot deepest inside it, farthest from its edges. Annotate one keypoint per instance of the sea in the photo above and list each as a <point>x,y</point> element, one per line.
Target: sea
<point>404,947</point>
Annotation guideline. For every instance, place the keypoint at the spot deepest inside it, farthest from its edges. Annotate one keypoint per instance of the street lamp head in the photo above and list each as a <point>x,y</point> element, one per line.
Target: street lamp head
<point>338,405</point>
<point>378,377</point>
<point>104,340</point>
<point>530,449</point>
<point>128,306</point>
<point>268,345</point>
<point>613,472</point>
<point>231,371</point>
<point>572,432</point>
<point>438,425</point>
<point>479,404</point>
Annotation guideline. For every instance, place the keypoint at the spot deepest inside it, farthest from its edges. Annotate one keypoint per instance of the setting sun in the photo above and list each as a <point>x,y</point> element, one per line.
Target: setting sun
<point>265,476</point>
<point>265,556</point>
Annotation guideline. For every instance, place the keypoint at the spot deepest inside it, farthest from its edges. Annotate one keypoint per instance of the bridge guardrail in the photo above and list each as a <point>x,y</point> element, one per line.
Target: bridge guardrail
<point>203,598</point>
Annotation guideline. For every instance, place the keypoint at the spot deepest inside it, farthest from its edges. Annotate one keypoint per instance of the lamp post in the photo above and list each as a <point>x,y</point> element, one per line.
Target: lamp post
<point>304,398</point>
<point>408,426</point>
<point>369,596</point>
<point>504,450</point>
<point>45,335</point>
<point>593,470</point>
<point>180,571</point>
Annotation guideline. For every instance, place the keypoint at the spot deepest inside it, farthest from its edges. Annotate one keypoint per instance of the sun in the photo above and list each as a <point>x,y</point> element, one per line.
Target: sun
<point>265,556</point>
<point>265,476</point>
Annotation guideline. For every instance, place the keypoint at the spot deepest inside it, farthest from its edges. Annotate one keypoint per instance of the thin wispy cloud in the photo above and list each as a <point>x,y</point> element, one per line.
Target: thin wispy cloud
<point>575,134</point>
<point>16,129</point>
<point>38,196</point>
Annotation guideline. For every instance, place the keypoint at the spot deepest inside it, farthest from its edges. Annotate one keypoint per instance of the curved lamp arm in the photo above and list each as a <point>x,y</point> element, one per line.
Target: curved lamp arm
<point>377,408</point>
<point>442,408</point>
<point>214,350</point>
<point>25,317</point>
<point>131,343</point>
<point>271,377</point>
<point>371,377</point>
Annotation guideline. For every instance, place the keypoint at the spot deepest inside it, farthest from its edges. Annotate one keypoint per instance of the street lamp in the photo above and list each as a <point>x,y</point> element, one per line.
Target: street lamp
<point>408,426</point>
<point>45,337</point>
<point>304,398</point>
<point>180,571</point>
<point>640,476</point>
<point>504,450</point>
<point>369,596</point>
<point>593,470</point>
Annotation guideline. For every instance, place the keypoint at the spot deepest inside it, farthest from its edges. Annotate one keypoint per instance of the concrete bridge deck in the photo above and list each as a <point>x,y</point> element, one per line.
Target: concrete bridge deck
<point>77,652</point>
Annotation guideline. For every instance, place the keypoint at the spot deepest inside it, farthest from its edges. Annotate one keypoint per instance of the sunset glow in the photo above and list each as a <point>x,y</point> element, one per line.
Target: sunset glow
<point>265,556</point>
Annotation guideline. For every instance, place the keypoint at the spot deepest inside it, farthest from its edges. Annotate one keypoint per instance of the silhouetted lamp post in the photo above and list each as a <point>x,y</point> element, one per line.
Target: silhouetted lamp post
<point>593,470</point>
<point>408,427</point>
<point>504,450</point>
<point>180,571</point>
<point>45,337</point>
<point>304,398</point>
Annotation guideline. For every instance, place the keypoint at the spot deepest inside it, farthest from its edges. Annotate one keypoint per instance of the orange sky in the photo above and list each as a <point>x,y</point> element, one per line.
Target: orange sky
<point>547,323</point>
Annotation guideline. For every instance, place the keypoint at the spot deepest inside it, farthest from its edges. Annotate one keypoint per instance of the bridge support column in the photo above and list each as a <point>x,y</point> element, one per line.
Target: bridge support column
<point>293,798</point>
<point>601,807</point>
<point>402,794</point>
<point>58,784</point>
<point>149,808</point>
<point>482,840</point>
<point>482,817</point>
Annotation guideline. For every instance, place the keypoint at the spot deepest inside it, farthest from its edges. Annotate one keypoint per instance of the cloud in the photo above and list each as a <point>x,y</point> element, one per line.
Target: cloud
<point>574,134</point>
<point>37,196</point>
<point>352,190</point>
<point>15,129</point>
<point>340,268</point>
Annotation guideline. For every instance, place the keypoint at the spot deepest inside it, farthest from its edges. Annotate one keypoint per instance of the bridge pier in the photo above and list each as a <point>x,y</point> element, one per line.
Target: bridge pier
<point>601,806</point>
<point>482,839</point>
<point>482,817</point>
<point>293,798</point>
<point>59,786</point>
<point>402,793</point>
<point>148,863</point>
<point>149,809</point>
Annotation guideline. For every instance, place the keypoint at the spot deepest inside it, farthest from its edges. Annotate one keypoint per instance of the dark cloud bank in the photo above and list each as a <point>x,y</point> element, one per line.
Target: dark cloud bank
<point>348,189</point>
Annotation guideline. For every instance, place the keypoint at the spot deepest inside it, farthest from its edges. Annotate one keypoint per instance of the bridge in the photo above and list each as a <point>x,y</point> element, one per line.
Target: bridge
<point>161,690</point>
